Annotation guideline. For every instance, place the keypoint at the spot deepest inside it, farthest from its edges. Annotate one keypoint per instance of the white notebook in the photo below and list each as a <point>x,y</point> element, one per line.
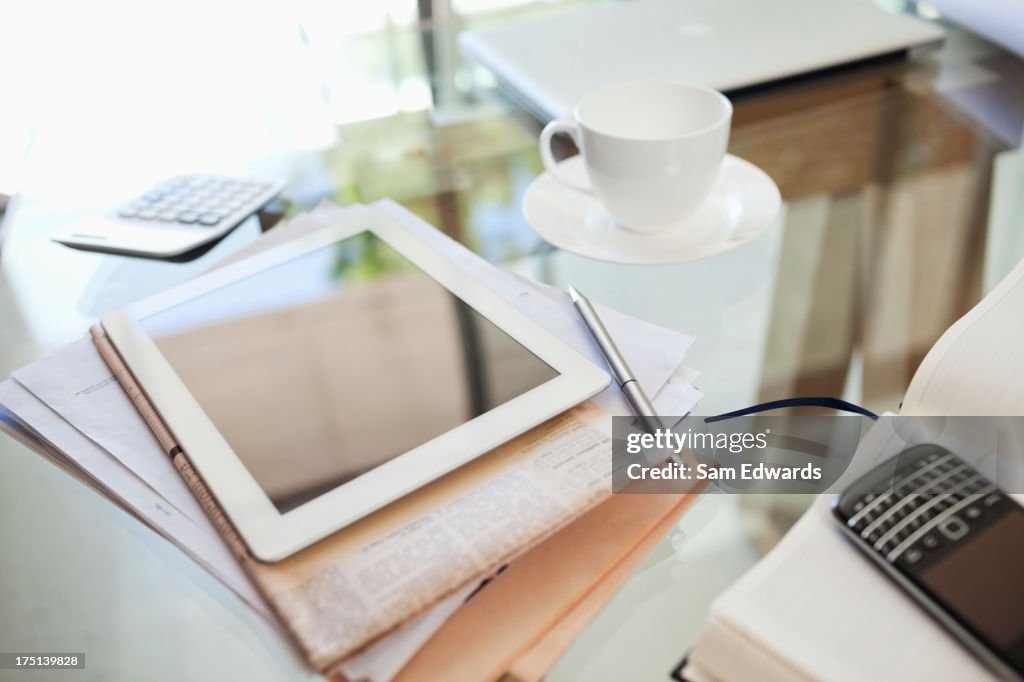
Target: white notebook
<point>977,366</point>
<point>814,608</point>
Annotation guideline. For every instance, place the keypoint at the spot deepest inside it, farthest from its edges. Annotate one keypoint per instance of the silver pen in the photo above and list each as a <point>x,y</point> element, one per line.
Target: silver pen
<point>634,395</point>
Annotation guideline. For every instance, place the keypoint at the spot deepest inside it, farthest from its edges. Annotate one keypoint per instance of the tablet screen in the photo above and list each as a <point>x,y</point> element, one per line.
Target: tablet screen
<point>326,366</point>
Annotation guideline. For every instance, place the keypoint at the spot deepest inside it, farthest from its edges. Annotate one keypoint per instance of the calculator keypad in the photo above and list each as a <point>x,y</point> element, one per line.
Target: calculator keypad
<point>203,200</point>
<point>923,508</point>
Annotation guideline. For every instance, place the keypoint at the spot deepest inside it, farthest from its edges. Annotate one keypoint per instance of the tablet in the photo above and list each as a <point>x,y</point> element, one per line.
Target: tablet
<point>316,382</point>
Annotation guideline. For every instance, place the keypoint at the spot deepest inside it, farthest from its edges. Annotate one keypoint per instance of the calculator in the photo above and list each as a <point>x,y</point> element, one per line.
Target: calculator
<point>952,540</point>
<point>174,216</point>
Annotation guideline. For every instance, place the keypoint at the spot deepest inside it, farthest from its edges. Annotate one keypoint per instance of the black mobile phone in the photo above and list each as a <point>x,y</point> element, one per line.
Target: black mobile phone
<point>950,538</point>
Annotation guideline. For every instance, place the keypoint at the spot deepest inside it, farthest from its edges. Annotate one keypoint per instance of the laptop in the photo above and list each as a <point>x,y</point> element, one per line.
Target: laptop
<point>550,62</point>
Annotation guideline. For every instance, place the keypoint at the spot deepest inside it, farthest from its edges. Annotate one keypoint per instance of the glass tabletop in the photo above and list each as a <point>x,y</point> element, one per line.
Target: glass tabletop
<point>901,185</point>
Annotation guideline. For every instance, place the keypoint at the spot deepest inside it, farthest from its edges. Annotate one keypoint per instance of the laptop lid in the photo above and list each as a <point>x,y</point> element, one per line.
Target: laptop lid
<point>551,62</point>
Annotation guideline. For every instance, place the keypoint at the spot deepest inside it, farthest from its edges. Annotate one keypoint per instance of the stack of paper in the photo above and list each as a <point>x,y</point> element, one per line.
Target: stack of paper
<point>69,408</point>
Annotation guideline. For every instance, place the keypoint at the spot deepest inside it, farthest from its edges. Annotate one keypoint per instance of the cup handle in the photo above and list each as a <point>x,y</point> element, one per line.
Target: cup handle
<point>559,125</point>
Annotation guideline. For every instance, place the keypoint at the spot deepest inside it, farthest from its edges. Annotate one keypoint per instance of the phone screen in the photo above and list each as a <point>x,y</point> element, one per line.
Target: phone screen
<point>982,582</point>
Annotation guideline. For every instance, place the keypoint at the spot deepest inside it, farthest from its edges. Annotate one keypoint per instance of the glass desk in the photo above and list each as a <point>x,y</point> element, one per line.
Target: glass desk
<point>903,195</point>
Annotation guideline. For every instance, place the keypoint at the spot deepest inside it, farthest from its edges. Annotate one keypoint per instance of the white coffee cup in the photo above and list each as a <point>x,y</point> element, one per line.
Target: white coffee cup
<point>652,149</point>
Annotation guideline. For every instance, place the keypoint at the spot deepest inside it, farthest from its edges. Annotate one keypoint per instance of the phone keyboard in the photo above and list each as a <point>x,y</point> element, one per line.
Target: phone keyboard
<point>923,507</point>
<point>199,200</point>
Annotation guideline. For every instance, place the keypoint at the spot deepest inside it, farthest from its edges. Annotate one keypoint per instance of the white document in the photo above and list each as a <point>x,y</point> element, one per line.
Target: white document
<point>75,383</point>
<point>20,432</point>
<point>196,537</point>
<point>971,368</point>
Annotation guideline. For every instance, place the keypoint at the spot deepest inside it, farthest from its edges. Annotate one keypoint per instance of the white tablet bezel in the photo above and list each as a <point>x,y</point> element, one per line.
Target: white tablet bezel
<point>270,535</point>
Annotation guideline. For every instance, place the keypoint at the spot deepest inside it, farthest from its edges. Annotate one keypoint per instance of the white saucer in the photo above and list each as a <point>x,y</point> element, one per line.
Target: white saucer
<point>743,203</point>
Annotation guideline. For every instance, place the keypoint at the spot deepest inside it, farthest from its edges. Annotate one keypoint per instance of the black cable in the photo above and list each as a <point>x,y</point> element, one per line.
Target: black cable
<point>831,403</point>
